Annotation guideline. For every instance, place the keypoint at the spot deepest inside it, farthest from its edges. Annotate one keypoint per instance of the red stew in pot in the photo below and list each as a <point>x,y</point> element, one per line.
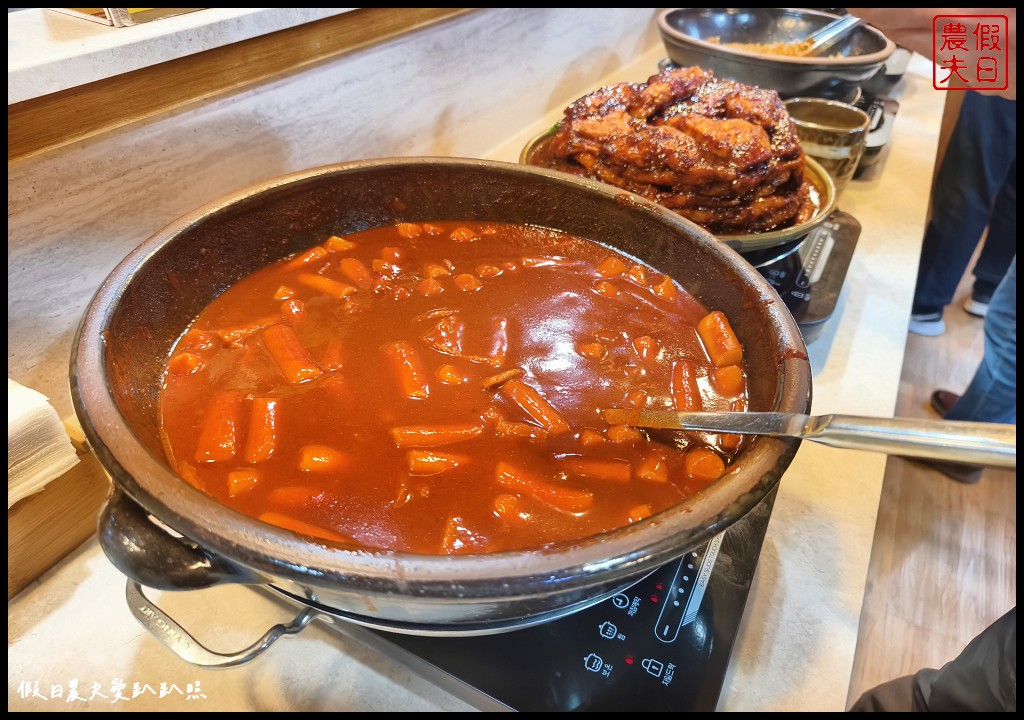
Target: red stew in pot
<point>436,388</point>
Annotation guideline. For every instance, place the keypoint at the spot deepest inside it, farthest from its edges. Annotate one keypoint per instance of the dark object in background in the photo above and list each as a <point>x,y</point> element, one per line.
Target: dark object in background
<point>881,108</point>
<point>983,678</point>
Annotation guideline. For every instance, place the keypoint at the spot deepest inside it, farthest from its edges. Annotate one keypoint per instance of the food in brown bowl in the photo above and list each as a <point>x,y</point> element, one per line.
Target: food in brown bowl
<point>720,153</point>
<point>143,320</point>
<point>790,49</point>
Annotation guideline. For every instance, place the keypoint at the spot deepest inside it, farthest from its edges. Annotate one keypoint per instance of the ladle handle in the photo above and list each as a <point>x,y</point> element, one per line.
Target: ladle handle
<point>825,38</point>
<point>972,443</point>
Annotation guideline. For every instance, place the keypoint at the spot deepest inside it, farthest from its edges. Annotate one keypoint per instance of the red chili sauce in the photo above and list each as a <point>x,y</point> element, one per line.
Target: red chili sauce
<point>435,388</point>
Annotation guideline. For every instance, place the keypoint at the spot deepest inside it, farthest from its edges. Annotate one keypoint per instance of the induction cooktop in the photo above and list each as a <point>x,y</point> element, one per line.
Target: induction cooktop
<point>662,644</point>
<point>808,273</point>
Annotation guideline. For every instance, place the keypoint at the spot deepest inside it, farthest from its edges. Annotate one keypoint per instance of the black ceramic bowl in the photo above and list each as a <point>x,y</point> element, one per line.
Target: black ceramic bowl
<point>698,36</point>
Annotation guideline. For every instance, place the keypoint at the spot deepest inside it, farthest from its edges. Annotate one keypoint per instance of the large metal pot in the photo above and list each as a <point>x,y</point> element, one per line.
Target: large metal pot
<point>152,296</point>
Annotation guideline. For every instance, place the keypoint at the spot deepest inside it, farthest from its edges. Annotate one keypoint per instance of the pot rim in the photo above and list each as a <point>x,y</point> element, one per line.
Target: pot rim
<point>272,551</point>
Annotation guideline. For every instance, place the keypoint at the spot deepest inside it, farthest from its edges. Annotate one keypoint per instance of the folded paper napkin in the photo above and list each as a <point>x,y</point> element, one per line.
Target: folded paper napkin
<point>38,447</point>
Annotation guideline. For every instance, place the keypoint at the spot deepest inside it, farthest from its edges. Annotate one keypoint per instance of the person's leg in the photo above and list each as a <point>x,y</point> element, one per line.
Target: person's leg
<point>981,150</point>
<point>992,394</point>
<point>1000,245</point>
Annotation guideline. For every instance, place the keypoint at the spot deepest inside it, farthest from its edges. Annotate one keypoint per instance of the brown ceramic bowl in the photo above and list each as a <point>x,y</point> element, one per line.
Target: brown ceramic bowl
<point>155,293</point>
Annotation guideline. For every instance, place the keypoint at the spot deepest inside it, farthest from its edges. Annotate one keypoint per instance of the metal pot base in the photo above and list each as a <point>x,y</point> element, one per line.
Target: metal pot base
<point>492,627</point>
<point>184,644</point>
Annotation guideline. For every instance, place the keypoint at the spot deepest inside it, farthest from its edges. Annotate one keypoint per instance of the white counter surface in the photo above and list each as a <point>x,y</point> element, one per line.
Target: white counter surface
<point>48,51</point>
<point>796,642</point>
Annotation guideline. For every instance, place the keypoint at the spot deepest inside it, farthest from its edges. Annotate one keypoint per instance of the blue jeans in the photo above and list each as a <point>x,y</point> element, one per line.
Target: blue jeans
<point>992,394</point>
<point>976,187</point>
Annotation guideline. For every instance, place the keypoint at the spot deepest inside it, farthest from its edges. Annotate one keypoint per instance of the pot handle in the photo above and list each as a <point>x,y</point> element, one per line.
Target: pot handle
<point>150,555</point>
<point>181,642</point>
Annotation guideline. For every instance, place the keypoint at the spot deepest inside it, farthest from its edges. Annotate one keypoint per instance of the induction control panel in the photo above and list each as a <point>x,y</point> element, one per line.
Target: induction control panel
<point>662,644</point>
<point>809,279</point>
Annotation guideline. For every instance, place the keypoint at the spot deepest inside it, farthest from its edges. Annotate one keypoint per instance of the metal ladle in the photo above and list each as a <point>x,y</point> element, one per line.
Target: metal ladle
<point>972,443</point>
<point>825,38</point>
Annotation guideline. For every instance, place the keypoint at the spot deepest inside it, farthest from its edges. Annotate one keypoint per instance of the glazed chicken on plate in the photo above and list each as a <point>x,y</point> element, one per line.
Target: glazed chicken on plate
<point>720,153</point>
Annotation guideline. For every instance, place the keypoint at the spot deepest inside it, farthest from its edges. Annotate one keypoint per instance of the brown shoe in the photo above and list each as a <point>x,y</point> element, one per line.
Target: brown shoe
<point>943,401</point>
<point>966,474</point>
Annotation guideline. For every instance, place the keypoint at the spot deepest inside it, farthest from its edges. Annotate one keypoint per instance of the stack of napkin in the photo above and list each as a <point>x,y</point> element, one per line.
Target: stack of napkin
<point>38,447</point>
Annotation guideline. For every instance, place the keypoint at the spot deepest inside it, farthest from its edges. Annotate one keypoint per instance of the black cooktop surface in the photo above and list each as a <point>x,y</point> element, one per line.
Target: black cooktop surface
<point>663,644</point>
